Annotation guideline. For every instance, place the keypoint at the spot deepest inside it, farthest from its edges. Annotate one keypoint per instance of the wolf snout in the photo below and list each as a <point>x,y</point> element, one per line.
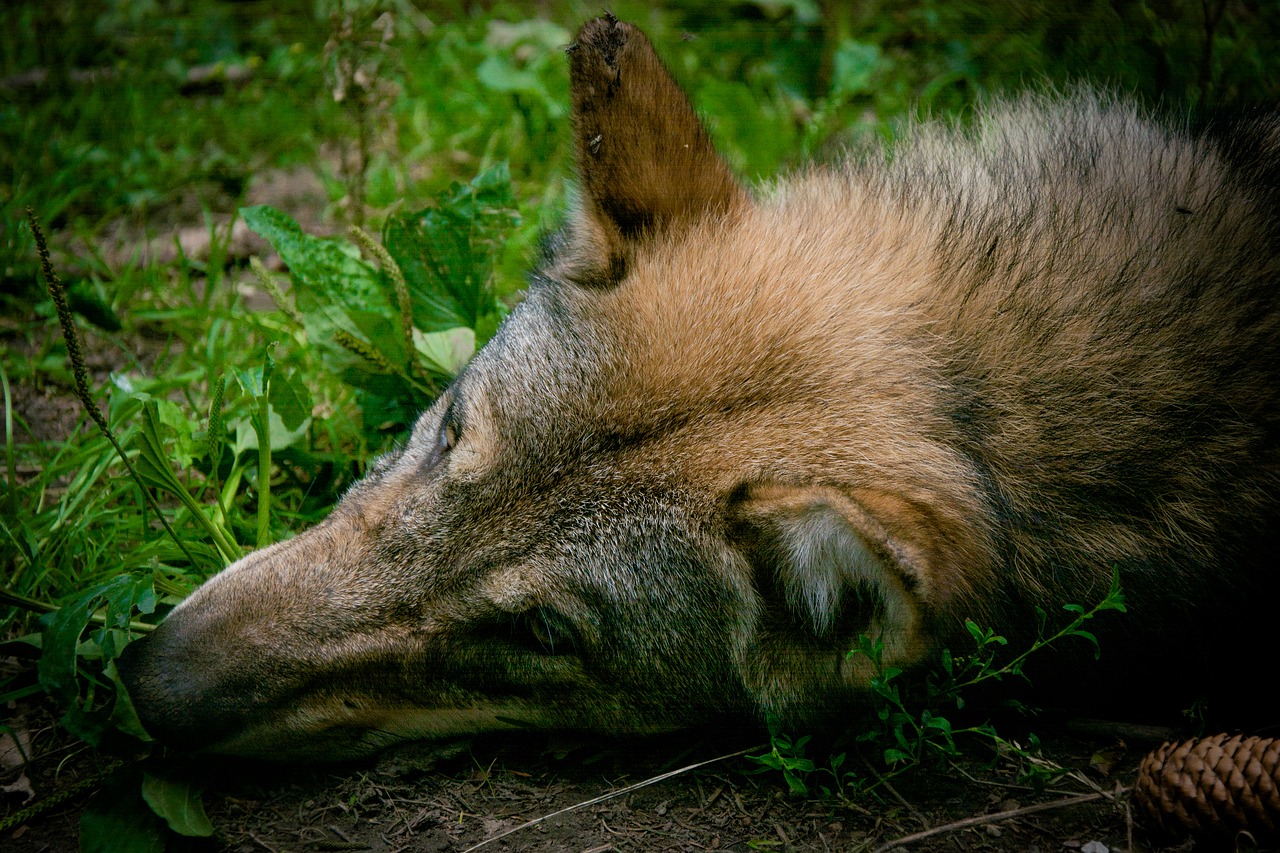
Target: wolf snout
<point>179,698</point>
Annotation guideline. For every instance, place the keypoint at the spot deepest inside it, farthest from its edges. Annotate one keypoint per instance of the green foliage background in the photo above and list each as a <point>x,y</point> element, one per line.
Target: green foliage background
<point>441,127</point>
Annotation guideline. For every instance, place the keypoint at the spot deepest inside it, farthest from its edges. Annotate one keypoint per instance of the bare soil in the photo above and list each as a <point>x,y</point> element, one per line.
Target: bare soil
<point>454,795</point>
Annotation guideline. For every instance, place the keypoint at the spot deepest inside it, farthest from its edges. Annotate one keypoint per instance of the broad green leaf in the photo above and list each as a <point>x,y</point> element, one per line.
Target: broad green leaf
<point>1091,638</point>
<point>281,435</point>
<point>250,380</point>
<point>60,637</point>
<point>446,251</point>
<point>291,399</point>
<point>942,724</point>
<point>327,272</point>
<point>178,802</point>
<point>118,820</point>
<point>289,415</point>
<point>177,433</point>
<point>379,328</point>
<point>796,784</point>
<point>446,352</point>
<point>87,716</point>
<point>124,716</point>
<point>334,290</point>
<point>893,756</point>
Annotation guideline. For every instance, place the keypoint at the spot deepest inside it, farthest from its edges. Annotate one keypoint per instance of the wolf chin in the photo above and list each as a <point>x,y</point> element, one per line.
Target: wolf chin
<point>728,432</point>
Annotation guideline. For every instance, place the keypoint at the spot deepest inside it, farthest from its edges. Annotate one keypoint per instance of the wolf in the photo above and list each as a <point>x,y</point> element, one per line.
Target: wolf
<point>726,433</point>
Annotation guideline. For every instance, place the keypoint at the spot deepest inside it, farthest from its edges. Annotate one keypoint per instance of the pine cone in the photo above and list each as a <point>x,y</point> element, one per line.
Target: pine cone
<point>1216,786</point>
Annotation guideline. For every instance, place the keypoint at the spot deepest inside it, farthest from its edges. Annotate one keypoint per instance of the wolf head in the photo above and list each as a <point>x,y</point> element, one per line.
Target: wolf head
<point>621,515</point>
<point>723,437</point>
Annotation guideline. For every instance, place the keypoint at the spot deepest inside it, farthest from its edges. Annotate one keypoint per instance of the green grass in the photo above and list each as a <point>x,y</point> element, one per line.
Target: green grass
<point>117,138</point>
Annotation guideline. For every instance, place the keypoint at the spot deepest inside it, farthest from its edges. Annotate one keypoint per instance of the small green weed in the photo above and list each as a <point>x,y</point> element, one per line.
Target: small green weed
<point>786,755</point>
<point>910,725</point>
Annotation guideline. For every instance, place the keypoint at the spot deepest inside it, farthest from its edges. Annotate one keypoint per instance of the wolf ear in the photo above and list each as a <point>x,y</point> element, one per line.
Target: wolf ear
<point>834,567</point>
<point>645,163</point>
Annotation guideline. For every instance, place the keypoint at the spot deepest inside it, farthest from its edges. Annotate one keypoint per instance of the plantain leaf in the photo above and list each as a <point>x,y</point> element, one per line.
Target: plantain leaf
<point>118,820</point>
<point>446,252</point>
<point>123,715</point>
<point>446,352</point>
<point>178,802</point>
<point>329,272</point>
<point>60,640</point>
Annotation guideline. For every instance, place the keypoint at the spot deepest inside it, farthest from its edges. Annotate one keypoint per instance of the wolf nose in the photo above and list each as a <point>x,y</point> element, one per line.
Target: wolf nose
<point>172,691</point>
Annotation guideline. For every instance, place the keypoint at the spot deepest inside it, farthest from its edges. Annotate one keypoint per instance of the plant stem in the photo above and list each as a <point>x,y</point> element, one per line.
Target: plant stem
<point>17,599</point>
<point>980,820</point>
<point>10,466</point>
<point>81,374</point>
<point>264,454</point>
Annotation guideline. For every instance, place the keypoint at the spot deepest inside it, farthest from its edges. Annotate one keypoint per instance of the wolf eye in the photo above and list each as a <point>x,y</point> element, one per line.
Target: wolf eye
<point>446,440</point>
<point>448,436</point>
<point>547,631</point>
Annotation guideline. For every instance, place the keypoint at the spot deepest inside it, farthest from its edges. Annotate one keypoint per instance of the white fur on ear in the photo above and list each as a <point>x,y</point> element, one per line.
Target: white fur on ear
<point>824,559</point>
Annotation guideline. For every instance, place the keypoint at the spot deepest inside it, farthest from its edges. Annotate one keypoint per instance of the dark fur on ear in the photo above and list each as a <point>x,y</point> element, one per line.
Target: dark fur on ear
<point>827,554</point>
<point>645,162</point>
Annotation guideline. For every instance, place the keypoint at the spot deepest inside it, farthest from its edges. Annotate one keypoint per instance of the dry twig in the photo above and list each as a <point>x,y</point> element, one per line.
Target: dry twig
<point>653,780</point>
<point>980,820</point>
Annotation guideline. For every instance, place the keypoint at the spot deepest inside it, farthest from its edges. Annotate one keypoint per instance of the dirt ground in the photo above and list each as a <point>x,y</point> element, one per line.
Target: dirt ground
<point>454,795</point>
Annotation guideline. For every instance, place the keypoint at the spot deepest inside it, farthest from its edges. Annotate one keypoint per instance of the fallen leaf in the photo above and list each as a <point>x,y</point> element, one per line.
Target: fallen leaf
<point>1103,760</point>
<point>15,748</point>
<point>21,786</point>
